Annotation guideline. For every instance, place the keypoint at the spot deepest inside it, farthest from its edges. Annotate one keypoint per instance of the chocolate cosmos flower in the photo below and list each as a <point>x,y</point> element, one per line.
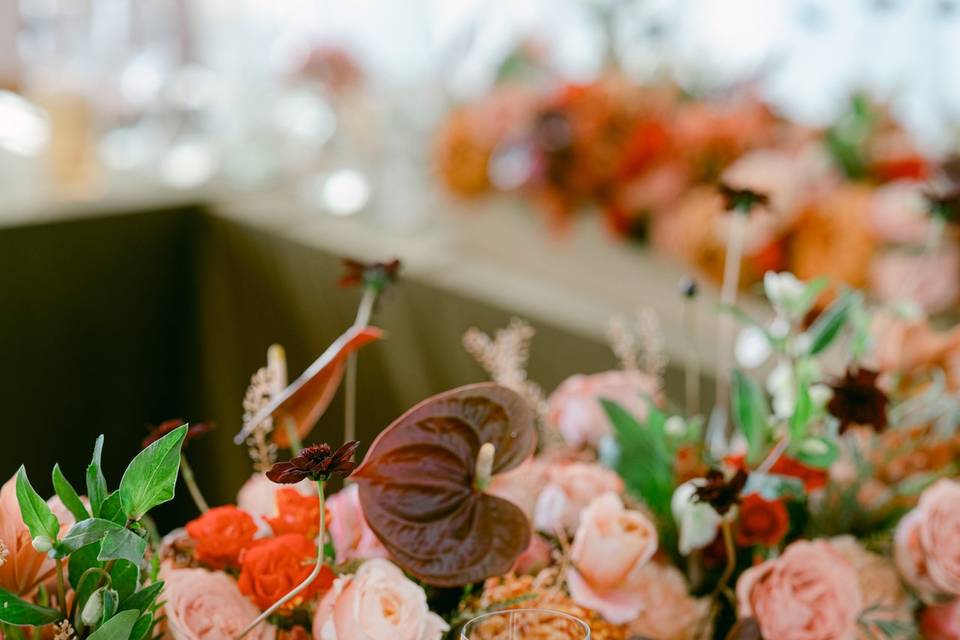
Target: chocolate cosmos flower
<point>858,400</point>
<point>317,462</point>
<point>193,431</point>
<point>742,200</point>
<point>376,275</point>
<point>720,493</point>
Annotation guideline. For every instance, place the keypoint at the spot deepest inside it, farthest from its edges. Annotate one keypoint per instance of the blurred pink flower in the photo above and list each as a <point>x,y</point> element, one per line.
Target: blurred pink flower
<point>258,497</point>
<point>941,621</point>
<point>933,281</point>
<point>669,611</point>
<point>811,592</point>
<point>927,542</point>
<point>898,212</point>
<point>610,549</point>
<point>574,407</point>
<point>353,539</point>
<point>535,558</point>
<point>522,485</point>
<point>569,489</point>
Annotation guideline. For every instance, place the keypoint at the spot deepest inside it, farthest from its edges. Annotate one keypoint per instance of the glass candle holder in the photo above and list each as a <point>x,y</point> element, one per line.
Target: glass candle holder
<point>526,624</point>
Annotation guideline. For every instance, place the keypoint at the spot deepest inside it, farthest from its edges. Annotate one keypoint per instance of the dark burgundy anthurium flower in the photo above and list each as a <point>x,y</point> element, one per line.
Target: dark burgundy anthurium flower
<point>375,275</point>
<point>194,431</point>
<point>317,462</point>
<point>720,493</point>
<point>858,400</point>
<point>742,200</point>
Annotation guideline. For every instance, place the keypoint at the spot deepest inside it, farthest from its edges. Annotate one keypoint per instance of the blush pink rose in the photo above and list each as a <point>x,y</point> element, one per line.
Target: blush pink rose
<point>522,485</point>
<point>669,611</point>
<point>353,539</point>
<point>570,487</point>
<point>535,557</point>
<point>378,602</point>
<point>574,407</point>
<point>898,212</point>
<point>258,497</point>
<point>811,592</point>
<point>207,605</point>
<point>933,282</point>
<point>610,549</point>
<point>927,542</point>
<point>941,621</point>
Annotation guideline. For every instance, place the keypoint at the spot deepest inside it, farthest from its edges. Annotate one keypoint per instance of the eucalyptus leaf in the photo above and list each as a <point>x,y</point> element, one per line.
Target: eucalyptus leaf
<point>151,477</point>
<point>15,611</point>
<point>142,600</point>
<point>86,532</point>
<point>123,544</point>
<point>751,414</point>
<point>34,510</point>
<point>118,627</point>
<point>68,495</point>
<point>96,482</point>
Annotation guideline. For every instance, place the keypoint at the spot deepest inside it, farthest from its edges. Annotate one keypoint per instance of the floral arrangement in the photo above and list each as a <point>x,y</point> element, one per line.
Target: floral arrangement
<point>856,202</point>
<point>825,506</point>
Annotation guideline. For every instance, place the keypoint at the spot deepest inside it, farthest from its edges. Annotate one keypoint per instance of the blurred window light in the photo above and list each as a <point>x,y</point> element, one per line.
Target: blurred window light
<point>345,192</point>
<point>24,127</point>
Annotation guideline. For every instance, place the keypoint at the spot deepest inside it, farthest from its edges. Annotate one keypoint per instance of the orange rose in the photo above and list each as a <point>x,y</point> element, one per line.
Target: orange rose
<point>270,568</point>
<point>296,513</point>
<point>221,534</point>
<point>761,521</point>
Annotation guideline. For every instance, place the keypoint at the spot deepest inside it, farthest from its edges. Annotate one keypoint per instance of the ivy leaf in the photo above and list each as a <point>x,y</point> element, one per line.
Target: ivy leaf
<point>96,483</point>
<point>122,544</point>
<point>151,477</point>
<point>828,324</point>
<point>119,627</point>
<point>750,413</point>
<point>68,495</point>
<point>84,533</point>
<point>34,510</point>
<point>142,600</point>
<point>15,611</point>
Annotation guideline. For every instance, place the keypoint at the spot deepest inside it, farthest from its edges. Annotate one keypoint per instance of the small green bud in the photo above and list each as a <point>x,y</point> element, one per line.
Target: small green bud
<point>42,544</point>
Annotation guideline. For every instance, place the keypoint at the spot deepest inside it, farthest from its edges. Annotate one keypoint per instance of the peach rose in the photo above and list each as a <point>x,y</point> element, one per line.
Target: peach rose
<point>927,542</point>
<point>296,513</point>
<point>352,538</point>
<point>883,593</point>
<point>206,605</point>
<point>378,602</point>
<point>258,497</point>
<point>931,281</point>
<point>941,621</point>
<point>272,567</point>
<point>610,549</point>
<point>522,485</point>
<point>669,611</point>
<point>898,212</point>
<point>569,489</point>
<point>811,592</point>
<point>221,534</point>
<point>574,408</point>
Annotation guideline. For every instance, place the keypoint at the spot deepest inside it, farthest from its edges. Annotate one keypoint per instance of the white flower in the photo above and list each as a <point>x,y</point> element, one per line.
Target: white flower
<point>782,388</point>
<point>752,348</point>
<point>820,395</point>
<point>785,292</point>
<point>697,521</point>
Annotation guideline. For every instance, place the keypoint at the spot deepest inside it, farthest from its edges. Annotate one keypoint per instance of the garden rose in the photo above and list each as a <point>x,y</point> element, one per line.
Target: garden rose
<point>206,605</point>
<point>353,539</point>
<point>378,602</point>
<point>927,542</point>
<point>941,621</point>
<point>884,597</point>
<point>611,547</point>
<point>669,611</point>
<point>257,497</point>
<point>898,212</point>
<point>522,485</point>
<point>761,521</point>
<point>928,280</point>
<point>221,534</point>
<point>574,407</point>
<point>569,489</point>
<point>811,592</point>
<point>296,513</point>
<point>270,568</point>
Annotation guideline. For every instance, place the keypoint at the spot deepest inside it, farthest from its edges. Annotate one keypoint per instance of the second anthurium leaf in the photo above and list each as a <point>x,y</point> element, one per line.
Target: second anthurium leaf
<point>34,510</point>
<point>151,477</point>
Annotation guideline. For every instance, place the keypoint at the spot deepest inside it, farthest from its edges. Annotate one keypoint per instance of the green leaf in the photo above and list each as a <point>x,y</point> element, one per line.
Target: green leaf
<point>15,611</point>
<point>774,487</point>
<point>80,561</point>
<point>828,324</point>
<point>645,462</point>
<point>142,600</point>
<point>118,627</point>
<point>125,578</point>
<point>84,533</point>
<point>96,483</point>
<point>112,509</point>
<point>811,292</point>
<point>110,601</point>
<point>816,452</point>
<point>801,414</point>
<point>123,544</point>
<point>151,477</point>
<point>750,412</point>
<point>68,495</point>
<point>34,510</point>
<point>143,627</point>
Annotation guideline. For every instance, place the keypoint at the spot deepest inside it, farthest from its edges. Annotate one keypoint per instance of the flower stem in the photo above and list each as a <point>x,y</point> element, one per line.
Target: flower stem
<point>187,472</point>
<point>364,311</point>
<point>731,555</point>
<point>321,487</point>
<point>61,589</point>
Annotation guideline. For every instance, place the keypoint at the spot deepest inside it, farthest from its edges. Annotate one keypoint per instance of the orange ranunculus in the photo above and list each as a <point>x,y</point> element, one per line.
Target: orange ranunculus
<point>270,568</point>
<point>222,533</point>
<point>296,513</point>
<point>761,521</point>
